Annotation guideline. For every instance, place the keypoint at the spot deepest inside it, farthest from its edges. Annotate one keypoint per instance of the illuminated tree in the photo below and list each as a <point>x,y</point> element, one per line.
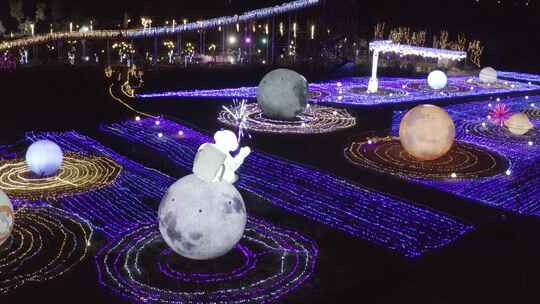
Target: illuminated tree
<point>2,28</point>
<point>16,10</point>
<point>40,11</point>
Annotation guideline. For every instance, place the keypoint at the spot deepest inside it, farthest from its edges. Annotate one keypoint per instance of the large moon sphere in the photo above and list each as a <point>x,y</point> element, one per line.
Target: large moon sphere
<point>44,158</point>
<point>488,75</point>
<point>282,94</point>
<point>427,132</point>
<point>202,220</point>
<point>7,217</point>
<point>437,80</point>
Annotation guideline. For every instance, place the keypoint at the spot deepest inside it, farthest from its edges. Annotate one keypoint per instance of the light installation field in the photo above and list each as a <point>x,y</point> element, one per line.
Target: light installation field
<point>353,91</point>
<point>119,219</point>
<point>317,195</point>
<point>490,164</point>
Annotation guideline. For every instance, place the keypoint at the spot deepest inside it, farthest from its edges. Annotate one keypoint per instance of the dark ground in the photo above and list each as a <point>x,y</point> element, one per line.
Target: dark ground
<point>497,263</point>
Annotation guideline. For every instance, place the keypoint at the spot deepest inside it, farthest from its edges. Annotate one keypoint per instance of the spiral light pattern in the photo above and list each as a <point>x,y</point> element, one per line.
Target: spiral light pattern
<point>315,120</point>
<point>46,243</point>
<point>275,261</point>
<point>79,173</point>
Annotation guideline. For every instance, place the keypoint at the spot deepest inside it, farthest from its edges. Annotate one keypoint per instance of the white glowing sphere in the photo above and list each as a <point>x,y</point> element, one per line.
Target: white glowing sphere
<point>7,217</point>
<point>44,158</point>
<point>488,75</point>
<point>437,80</point>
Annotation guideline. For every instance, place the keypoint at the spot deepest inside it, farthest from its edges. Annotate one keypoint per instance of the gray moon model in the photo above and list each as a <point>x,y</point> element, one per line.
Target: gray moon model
<point>202,220</point>
<point>282,94</point>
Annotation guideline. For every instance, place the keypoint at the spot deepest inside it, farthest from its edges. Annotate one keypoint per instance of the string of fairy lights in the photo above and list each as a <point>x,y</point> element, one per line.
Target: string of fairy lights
<point>315,120</point>
<point>79,173</point>
<point>317,195</point>
<point>46,242</point>
<point>129,267</point>
<point>524,77</point>
<point>353,91</point>
<point>148,31</point>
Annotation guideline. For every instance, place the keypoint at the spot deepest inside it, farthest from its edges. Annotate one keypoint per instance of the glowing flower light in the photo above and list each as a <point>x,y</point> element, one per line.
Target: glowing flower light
<point>500,114</point>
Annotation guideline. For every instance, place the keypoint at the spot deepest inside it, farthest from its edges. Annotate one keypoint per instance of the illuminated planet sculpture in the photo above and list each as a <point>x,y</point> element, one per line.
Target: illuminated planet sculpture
<point>282,94</point>
<point>488,75</point>
<point>202,220</point>
<point>6,217</point>
<point>427,132</point>
<point>437,80</point>
<point>519,124</point>
<point>44,158</point>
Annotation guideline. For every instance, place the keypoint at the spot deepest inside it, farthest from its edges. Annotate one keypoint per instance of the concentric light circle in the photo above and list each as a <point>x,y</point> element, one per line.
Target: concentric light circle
<point>463,161</point>
<point>46,242</point>
<point>268,263</point>
<point>316,120</point>
<point>79,173</point>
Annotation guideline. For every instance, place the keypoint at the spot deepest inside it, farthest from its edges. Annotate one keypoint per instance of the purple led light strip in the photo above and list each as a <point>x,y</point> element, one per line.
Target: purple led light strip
<point>392,223</point>
<point>520,190</point>
<point>352,91</point>
<point>523,77</point>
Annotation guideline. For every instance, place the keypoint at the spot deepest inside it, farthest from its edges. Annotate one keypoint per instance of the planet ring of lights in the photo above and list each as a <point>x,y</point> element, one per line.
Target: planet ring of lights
<point>315,120</point>
<point>501,134</point>
<point>463,161</point>
<point>46,242</point>
<point>273,262</point>
<point>79,173</point>
<point>169,268</point>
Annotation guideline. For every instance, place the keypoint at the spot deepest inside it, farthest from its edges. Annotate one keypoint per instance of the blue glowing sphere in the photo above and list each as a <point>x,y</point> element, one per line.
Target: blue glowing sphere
<point>44,158</point>
<point>437,80</point>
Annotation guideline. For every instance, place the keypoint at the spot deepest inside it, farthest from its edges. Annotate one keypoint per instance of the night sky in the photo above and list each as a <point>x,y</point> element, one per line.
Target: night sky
<point>453,14</point>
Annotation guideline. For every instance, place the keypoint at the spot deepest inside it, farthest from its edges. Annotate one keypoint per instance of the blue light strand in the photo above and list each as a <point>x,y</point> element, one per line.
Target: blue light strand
<point>522,77</point>
<point>353,91</point>
<point>395,224</point>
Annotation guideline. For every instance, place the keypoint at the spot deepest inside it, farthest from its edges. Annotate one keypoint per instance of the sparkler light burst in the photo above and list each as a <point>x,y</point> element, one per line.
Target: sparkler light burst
<point>239,113</point>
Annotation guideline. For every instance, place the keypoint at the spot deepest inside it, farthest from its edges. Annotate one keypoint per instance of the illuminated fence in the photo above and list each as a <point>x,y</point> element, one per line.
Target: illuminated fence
<point>163,31</point>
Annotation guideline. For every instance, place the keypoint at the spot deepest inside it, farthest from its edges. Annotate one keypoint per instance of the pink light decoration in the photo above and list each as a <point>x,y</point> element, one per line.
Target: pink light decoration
<point>500,114</point>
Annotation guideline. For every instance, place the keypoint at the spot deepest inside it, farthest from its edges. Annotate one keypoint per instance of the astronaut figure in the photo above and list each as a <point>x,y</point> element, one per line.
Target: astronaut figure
<point>214,162</point>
